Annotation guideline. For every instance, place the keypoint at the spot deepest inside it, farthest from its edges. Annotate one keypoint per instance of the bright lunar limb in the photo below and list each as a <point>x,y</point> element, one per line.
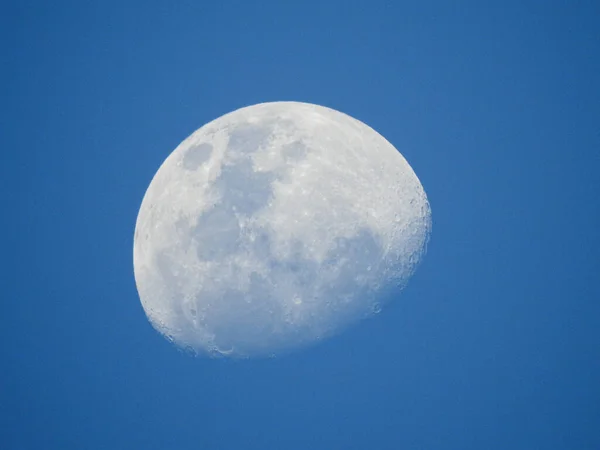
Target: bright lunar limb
<point>275,226</point>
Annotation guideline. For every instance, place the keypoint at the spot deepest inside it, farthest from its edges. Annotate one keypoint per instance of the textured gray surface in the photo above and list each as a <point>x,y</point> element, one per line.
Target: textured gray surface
<point>274,226</point>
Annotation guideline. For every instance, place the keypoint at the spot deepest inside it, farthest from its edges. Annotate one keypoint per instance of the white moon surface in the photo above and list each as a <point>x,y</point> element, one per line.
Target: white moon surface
<point>275,226</point>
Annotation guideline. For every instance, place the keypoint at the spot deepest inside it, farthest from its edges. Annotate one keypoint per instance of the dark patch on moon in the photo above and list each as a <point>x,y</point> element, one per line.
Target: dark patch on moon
<point>241,319</point>
<point>296,151</point>
<point>242,189</point>
<point>217,234</point>
<point>362,255</point>
<point>247,137</point>
<point>197,155</point>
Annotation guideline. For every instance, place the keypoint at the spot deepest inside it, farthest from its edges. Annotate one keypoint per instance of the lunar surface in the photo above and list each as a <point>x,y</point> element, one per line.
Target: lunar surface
<point>276,226</point>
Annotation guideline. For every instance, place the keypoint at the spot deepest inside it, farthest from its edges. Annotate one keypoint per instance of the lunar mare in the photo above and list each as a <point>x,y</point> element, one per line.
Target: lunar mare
<point>275,226</point>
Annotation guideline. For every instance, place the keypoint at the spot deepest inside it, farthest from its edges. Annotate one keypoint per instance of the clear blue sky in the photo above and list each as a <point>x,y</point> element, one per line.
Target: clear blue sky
<point>495,344</point>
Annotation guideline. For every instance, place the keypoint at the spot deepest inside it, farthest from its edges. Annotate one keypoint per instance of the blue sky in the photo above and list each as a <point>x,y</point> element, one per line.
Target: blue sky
<point>495,342</point>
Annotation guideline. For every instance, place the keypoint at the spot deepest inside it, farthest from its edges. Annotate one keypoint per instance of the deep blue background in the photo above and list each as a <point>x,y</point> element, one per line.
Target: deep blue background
<point>495,344</point>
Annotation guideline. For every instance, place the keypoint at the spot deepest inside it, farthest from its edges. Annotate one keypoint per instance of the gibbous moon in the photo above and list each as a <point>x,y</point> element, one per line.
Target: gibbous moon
<point>276,226</point>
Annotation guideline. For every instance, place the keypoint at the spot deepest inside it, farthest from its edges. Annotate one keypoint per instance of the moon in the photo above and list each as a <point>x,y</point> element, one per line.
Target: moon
<point>276,226</point>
